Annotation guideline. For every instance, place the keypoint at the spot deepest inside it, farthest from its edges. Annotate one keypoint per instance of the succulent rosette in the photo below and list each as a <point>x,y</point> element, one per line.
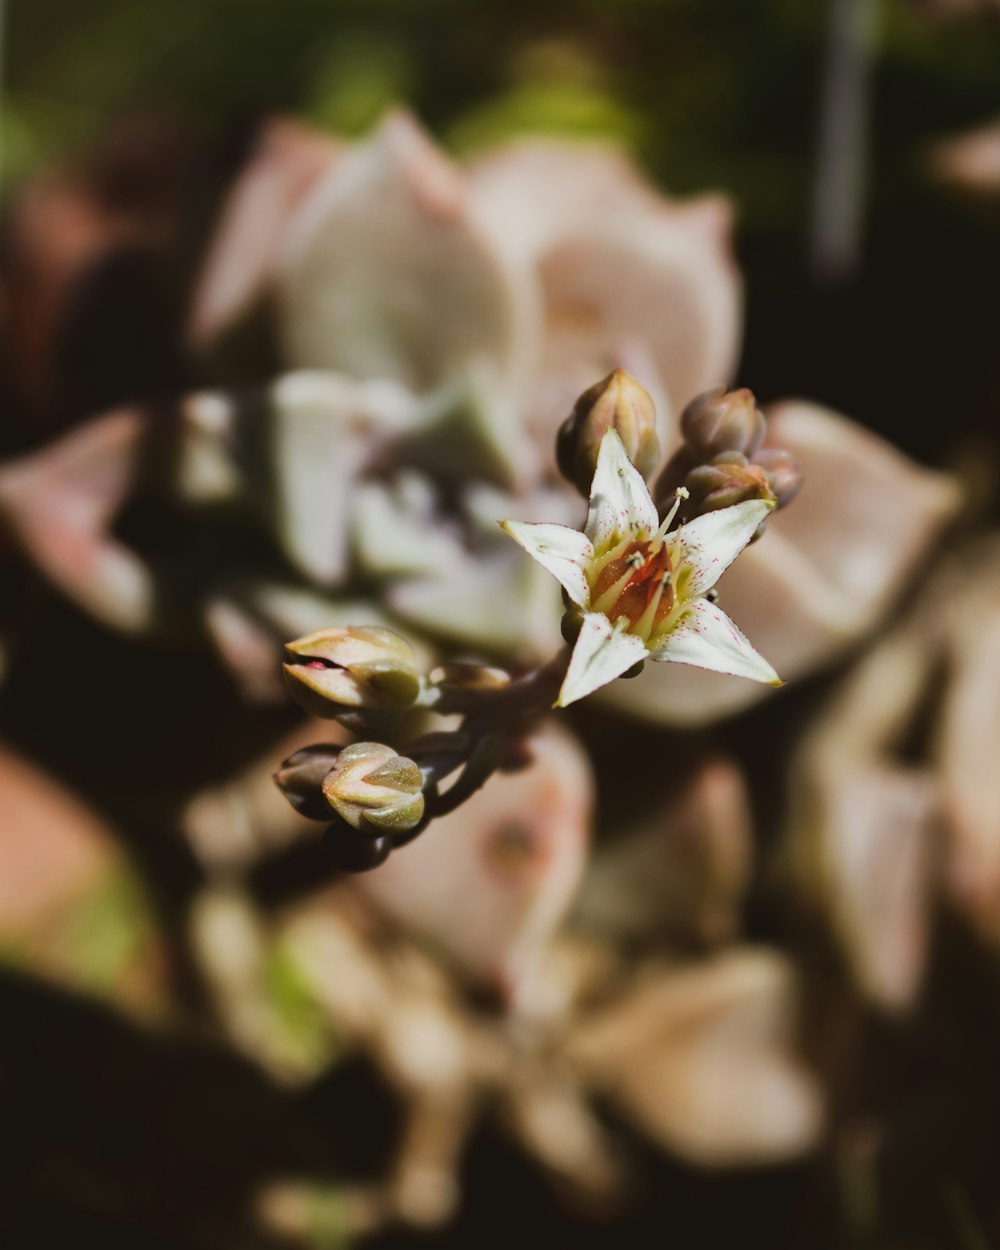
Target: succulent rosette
<point>436,324</point>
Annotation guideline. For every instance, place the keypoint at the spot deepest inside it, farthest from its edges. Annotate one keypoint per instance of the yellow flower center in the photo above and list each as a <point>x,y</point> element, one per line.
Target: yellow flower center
<point>635,581</point>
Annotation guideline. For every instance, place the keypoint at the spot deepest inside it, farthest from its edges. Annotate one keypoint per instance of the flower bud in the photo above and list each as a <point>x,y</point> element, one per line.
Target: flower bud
<point>729,479</point>
<point>617,402</point>
<point>300,779</point>
<point>375,789</point>
<point>355,850</point>
<point>783,475</point>
<point>362,667</point>
<point>459,675</point>
<point>720,421</point>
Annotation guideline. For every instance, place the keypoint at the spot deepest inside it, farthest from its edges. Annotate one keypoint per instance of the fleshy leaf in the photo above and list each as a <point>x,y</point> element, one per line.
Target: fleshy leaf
<point>60,504</point>
<point>866,514</point>
<point>704,1059</point>
<point>302,461</point>
<point>396,534</point>
<point>681,875</point>
<point>288,162</point>
<point>461,603</point>
<point>490,883</point>
<point>625,272</point>
<point>386,275</point>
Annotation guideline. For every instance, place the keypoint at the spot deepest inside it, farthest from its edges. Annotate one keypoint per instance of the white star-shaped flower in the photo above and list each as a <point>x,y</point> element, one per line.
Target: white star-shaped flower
<point>644,592</point>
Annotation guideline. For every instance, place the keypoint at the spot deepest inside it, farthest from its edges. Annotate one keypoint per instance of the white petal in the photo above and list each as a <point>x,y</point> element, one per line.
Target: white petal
<point>707,638</point>
<point>561,551</point>
<point>601,654</point>
<point>619,498</point>
<point>713,541</point>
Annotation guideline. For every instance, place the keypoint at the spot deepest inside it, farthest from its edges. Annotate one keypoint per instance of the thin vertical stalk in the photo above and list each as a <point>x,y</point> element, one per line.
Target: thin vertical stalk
<point>838,208</point>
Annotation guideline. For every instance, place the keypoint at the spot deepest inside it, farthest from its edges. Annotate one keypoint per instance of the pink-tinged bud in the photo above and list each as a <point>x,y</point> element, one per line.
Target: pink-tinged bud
<point>359,668</point>
<point>300,779</point>
<point>729,479</point>
<point>617,402</point>
<point>375,789</point>
<point>783,475</point>
<point>721,421</point>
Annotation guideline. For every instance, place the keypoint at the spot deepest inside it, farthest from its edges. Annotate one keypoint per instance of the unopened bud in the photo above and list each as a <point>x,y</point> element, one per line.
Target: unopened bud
<point>300,779</point>
<point>375,789</point>
<point>729,479</point>
<point>720,421</point>
<point>459,675</point>
<point>783,475</point>
<point>355,850</point>
<point>617,402</point>
<point>359,668</point>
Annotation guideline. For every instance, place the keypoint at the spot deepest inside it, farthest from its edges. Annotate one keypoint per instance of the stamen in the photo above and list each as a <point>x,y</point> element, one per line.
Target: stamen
<point>644,625</point>
<point>712,595</point>
<point>598,567</point>
<point>680,493</point>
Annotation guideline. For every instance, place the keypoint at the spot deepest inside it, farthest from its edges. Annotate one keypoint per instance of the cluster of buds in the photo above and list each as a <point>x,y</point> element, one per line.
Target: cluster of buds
<point>722,461</point>
<point>635,589</point>
<point>371,797</point>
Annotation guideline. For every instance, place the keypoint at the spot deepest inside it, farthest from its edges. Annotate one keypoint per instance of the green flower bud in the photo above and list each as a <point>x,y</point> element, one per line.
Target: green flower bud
<point>720,421</point>
<point>300,779</point>
<point>359,668</point>
<point>729,479</point>
<point>355,850</point>
<point>783,475</point>
<point>617,402</point>
<point>375,789</point>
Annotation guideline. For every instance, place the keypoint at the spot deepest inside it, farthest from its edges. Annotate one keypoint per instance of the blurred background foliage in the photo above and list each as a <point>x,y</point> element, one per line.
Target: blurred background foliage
<point>708,93</point>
